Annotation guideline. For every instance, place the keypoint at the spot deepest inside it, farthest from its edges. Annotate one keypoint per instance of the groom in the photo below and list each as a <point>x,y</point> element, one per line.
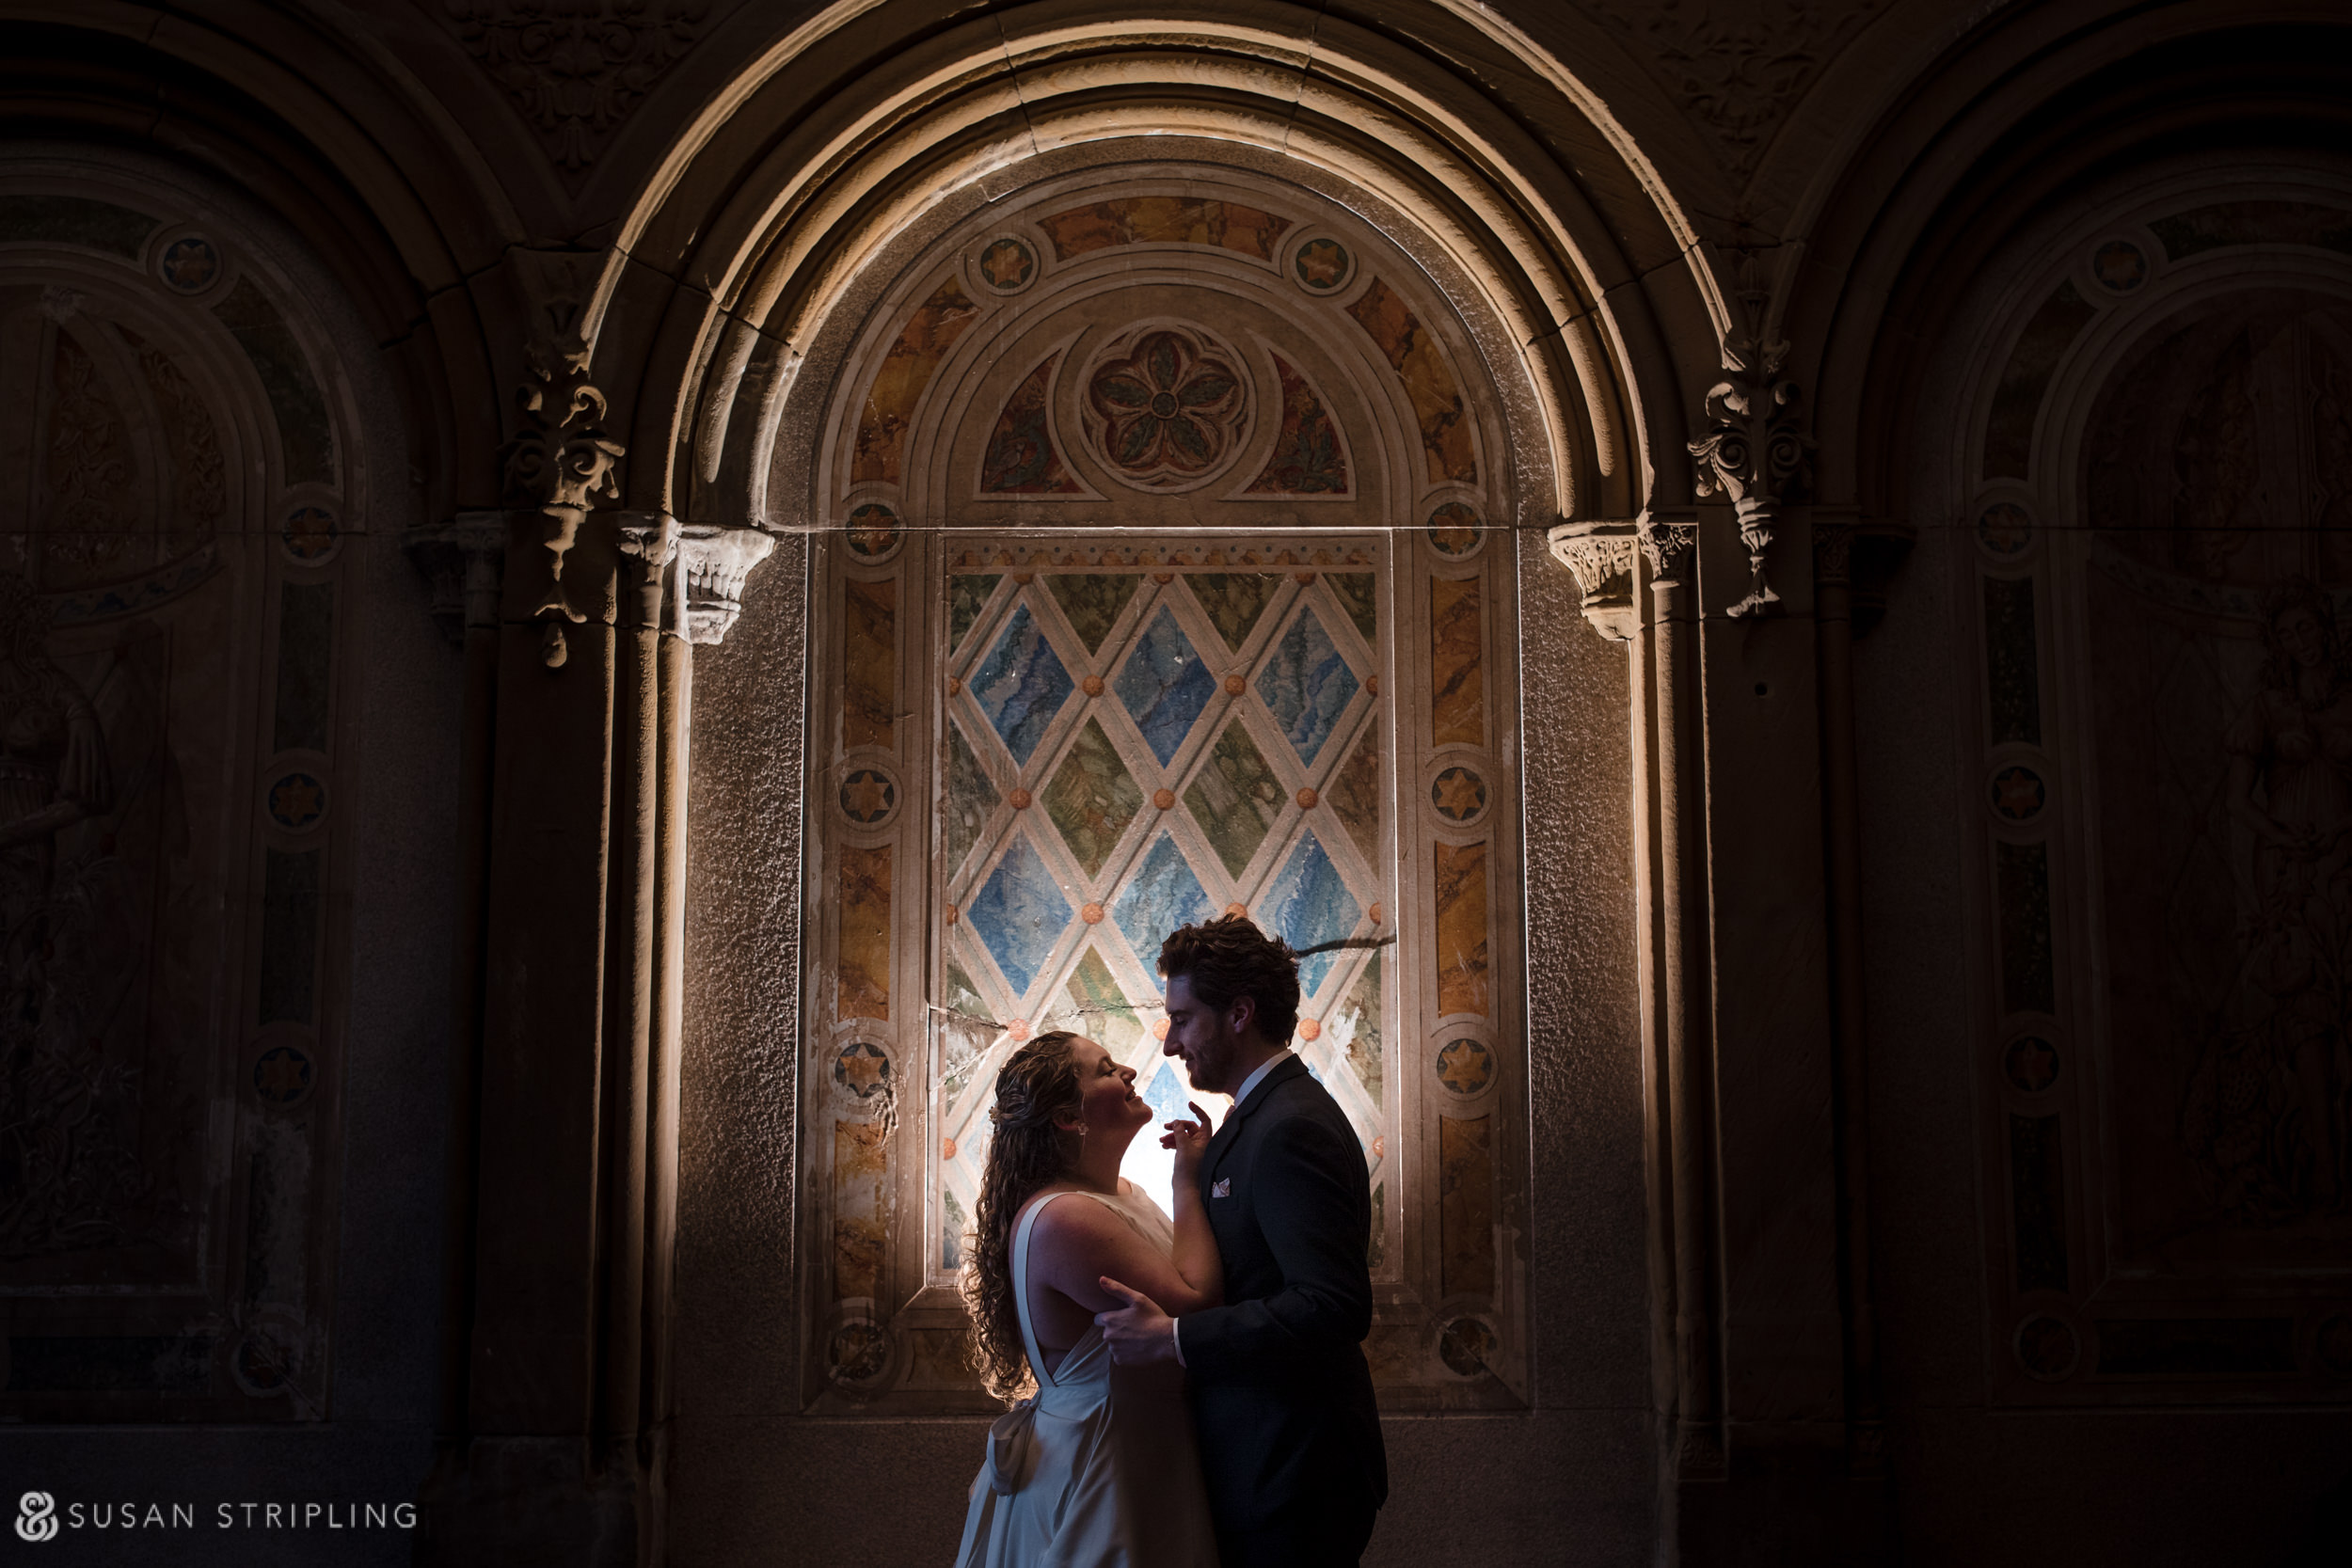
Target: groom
<point>1290,1436</point>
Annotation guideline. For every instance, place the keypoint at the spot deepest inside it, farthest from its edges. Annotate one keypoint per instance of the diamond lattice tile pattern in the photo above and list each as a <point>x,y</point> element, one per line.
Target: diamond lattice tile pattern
<point>1020,915</point>
<point>1165,686</point>
<point>1022,685</point>
<point>1307,684</point>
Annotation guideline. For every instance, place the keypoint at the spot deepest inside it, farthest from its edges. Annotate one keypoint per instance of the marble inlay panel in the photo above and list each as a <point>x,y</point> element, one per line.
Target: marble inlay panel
<point>1354,795</point>
<point>1020,915</point>
<point>1022,685</point>
<point>1093,798</point>
<point>970,797</point>
<point>1235,797</point>
<point>1234,600</point>
<point>861,1162</point>
<point>862,988</point>
<point>1466,1205</point>
<point>1163,220</point>
<point>1161,894</point>
<point>1359,596</point>
<point>1457,679</point>
<point>1094,602</point>
<point>1308,685</point>
<point>1308,459</point>
<point>1165,686</point>
<point>1021,459</point>
<point>1436,398</point>
<point>1355,1024</point>
<point>1461,928</point>
<point>869,662</point>
<point>1308,904</point>
<point>906,368</point>
<point>1101,1009</point>
<point>966,597</point>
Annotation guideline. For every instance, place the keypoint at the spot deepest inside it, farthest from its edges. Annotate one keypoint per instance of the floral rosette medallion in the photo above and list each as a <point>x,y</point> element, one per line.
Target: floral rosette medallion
<point>1168,409</point>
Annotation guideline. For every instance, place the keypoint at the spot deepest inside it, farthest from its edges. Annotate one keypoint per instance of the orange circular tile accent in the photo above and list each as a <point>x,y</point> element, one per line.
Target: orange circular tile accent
<point>1019,799</point>
<point>1236,684</point>
<point>1303,578</point>
<point>1372,684</point>
<point>1310,1030</point>
<point>1159,1030</point>
<point>1379,1148</point>
<point>947,1149</point>
<point>1163,578</point>
<point>951,914</point>
<point>1024,577</point>
<point>1091,915</point>
<point>1091,685</point>
<point>1375,914</point>
<point>1306,798</point>
<point>1164,798</point>
<point>1018,1029</point>
<point>1237,908</point>
<point>954,686</point>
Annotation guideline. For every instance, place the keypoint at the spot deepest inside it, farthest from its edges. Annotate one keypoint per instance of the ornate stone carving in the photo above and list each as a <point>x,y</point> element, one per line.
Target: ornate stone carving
<point>1833,552</point>
<point>465,560</point>
<point>714,562</point>
<point>1667,540</point>
<point>1753,452</point>
<point>1601,552</point>
<point>1168,412</point>
<point>560,461</point>
<point>1737,79</point>
<point>649,541</point>
<point>576,70</point>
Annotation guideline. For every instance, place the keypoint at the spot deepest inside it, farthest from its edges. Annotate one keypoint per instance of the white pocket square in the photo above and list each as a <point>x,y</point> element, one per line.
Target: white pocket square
<point>1223,1189</point>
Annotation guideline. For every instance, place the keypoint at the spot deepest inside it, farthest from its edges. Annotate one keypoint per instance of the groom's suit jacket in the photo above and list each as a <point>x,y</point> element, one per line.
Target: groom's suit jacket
<point>1280,1392</point>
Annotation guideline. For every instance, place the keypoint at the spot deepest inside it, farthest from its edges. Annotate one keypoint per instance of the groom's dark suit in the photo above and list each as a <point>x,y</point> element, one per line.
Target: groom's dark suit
<point>1290,1438</point>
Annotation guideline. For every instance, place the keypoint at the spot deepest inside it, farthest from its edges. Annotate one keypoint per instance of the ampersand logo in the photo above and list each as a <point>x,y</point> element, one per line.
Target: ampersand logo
<point>36,1516</point>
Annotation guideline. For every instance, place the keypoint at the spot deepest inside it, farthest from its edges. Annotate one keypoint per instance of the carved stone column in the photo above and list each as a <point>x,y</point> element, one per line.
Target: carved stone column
<point>1668,540</point>
<point>1601,552</point>
<point>715,562</point>
<point>558,462</point>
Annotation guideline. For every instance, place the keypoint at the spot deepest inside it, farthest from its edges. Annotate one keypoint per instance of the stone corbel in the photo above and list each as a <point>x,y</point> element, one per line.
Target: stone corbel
<point>714,562</point>
<point>1754,453</point>
<point>1669,541</point>
<point>649,541</point>
<point>1601,552</point>
<point>560,461</point>
<point>465,560</point>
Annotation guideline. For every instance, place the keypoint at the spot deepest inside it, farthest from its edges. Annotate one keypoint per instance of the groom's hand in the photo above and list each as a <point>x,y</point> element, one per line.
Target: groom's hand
<point>1138,1331</point>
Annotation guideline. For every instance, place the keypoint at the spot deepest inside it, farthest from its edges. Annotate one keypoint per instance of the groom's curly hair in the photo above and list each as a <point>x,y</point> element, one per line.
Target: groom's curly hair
<point>1229,959</point>
<point>1025,1152</point>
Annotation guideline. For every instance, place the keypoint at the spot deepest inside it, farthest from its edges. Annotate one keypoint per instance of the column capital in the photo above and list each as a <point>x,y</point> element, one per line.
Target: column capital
<point>465,560</point>
<point>1753,452</point>
<point>1599,550</point>
<point>714,561</point>
<point>1668,537</point>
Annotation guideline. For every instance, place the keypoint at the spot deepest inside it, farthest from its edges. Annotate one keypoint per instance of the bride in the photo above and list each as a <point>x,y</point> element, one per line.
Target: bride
<point>1096,1469</point>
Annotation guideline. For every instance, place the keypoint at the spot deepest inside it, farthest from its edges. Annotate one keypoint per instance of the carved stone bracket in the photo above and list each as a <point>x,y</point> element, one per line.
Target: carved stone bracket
<point>1755,452</point>
<point>1668,540</point>
<point>1601,552</point>
<point>649,541</point>
<point>465,560</point>
<point>714,563</point>
<point>1860,555</point>
<point>559,462</point>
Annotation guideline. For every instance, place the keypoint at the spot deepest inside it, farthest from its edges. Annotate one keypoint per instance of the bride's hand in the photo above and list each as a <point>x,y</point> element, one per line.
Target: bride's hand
<point>1189,1139</point>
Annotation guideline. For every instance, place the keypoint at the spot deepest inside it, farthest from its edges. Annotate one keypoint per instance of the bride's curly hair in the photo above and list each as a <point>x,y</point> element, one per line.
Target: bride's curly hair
<point>1026,1151</point>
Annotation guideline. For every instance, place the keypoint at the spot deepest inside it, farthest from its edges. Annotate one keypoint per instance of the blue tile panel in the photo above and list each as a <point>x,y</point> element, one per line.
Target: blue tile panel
<point>1308,904</point>
<point>1308,685</point>
<point>1165,686</point>
<point>1020,915</point>
<point>1021,684</point>
<point>1166,1095</point>
<point>1161,894</point>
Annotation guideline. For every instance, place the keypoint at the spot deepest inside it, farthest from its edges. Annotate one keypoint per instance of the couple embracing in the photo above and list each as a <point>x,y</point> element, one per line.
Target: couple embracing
<point>1201,1396</point>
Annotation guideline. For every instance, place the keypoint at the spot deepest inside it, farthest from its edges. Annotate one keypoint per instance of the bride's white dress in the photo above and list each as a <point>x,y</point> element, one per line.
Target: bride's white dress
<point>1098,1468</point>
